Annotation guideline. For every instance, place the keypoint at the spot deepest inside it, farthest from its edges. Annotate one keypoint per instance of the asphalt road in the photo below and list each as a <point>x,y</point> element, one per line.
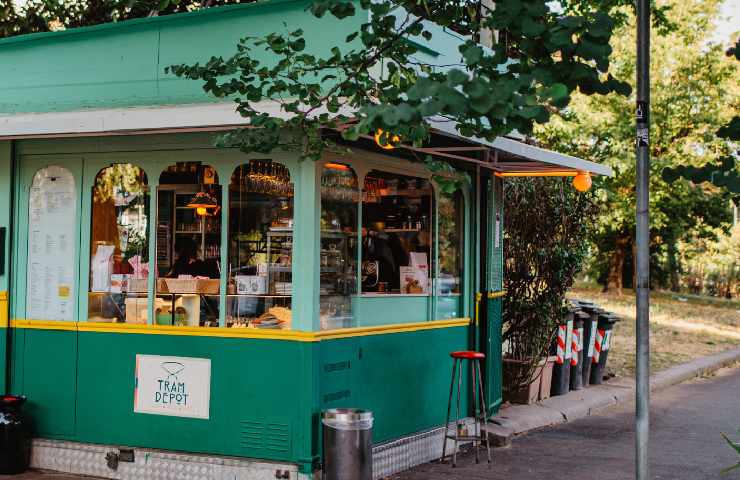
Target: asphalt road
<point>686,421</point>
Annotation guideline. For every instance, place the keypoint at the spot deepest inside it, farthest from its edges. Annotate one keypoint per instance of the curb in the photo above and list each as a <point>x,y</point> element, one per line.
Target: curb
<point>519,419</point>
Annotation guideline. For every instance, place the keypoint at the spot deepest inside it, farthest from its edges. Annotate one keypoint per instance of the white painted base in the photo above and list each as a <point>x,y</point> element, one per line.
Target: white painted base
<point>90,459</point>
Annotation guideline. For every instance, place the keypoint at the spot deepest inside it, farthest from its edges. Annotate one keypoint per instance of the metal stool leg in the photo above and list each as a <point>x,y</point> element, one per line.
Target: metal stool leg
<point>476,429</point>
<point>485,415</point>
<point>449,409</point>
<point>457,415</point>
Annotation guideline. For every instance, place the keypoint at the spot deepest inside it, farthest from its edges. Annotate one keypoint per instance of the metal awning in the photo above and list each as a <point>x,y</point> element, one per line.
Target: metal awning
<point>513,157</point>
<point>505,156</point>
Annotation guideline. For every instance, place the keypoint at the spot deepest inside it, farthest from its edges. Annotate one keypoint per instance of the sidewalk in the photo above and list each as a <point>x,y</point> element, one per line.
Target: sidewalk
<point>518,419</point>
<point>685,441</point>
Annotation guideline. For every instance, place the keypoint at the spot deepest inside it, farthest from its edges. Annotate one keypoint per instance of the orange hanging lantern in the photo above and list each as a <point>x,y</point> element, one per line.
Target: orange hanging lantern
<point>582,181</point>
<point>386,141</point>
<point>203,202</point>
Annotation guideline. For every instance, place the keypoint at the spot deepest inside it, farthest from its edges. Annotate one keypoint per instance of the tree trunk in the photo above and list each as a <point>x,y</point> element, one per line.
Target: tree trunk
<point>673,267</point>
<point>616,266</point>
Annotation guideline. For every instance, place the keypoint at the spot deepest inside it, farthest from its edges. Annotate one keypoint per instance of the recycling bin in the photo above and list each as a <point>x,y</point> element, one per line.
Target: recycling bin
<point>15,436</point>
<point>561,348</point>
<point>576,356</point>
<point>602,343</point>
<point>347,438</point>
<point>589,337</point>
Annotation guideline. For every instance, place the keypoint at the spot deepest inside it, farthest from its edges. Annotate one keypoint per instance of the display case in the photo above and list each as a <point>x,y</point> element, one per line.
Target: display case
<point>260,287</point>
<point>338,246</point>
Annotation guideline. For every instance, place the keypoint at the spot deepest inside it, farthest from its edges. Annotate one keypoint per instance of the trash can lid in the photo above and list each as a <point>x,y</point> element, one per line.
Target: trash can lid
<point>348,415</point>
<point>608,316</point>
<point>12,400</point>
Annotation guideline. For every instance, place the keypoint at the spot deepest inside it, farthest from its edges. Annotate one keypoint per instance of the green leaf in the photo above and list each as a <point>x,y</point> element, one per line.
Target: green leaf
<point>472,53</point>
<point>532,28</point>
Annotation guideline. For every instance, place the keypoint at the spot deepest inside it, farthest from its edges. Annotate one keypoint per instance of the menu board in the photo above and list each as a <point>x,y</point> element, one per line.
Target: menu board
<point>52,243</point>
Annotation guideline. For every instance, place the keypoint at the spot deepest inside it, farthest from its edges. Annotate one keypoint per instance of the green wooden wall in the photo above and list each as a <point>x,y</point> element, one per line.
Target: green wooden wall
<point>266,395</point>
<point>122,64</point>
<point>6,189</point>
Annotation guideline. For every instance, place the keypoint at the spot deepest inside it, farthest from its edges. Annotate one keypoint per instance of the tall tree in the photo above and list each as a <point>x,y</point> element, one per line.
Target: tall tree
<point>693,89</point>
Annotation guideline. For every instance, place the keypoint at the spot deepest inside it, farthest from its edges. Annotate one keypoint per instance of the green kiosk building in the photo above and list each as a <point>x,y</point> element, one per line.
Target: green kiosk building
<point>201,306</point>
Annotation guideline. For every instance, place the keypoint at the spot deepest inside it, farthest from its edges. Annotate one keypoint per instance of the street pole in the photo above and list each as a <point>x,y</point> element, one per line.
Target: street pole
<point>642,392</point>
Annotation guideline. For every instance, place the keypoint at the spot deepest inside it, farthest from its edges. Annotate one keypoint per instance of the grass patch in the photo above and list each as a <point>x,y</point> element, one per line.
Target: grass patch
<point>682,328</point>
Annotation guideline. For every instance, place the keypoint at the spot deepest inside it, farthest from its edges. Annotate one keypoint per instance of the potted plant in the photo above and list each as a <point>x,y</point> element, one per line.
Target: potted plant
<point>546,227</point>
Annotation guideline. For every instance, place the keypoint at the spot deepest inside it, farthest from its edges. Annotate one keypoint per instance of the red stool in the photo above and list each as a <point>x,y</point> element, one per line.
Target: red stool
<point>479,403</point>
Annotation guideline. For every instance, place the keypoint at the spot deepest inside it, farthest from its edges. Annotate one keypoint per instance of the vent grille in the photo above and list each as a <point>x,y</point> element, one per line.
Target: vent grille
<point>264,436</point>
<point>333,367</point>
<point>334,396</point>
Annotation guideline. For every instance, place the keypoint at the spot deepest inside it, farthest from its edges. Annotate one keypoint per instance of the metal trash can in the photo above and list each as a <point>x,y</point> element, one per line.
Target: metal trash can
<point>576,357</point>
<point>15,436</point>
<point>562,351</point>
<point>348,453</point>
<point>601,346</point>
<point>589,336</point>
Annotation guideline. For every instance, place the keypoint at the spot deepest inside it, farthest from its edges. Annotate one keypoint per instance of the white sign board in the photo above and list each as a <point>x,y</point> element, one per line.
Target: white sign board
<point>52,240</point>
<point>177,386</point>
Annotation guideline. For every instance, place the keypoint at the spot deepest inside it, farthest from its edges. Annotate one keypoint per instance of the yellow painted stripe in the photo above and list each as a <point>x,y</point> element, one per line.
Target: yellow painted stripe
<point>499,294</point>
<point>291,335</point>
<point>44,324</point>
<point>4,309</point>
<point>543,173</point>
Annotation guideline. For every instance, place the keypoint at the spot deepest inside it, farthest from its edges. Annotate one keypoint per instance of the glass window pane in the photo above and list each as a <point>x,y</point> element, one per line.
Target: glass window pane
<point>260,285</point>
<point>119,246</point>
<point>449,284</point>
<point>52,244</point>
<point>188,246</point>
<point>396,234</point>
<point>338,255</point>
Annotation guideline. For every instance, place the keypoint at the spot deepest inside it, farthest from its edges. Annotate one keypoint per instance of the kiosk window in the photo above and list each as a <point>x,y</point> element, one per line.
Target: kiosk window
<point>338,255</point>
<point>396,234</point>
<point>188,246</point>
<point>119,245</point>
<point>450,223</point>
<point>260,284</point>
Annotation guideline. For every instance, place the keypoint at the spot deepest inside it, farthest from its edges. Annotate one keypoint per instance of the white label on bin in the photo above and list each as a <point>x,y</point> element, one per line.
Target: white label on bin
<point>176,386</point>
<point>592,339</point>
<point>569,341</point>
<point>580,339</point>
<point>607,341</point>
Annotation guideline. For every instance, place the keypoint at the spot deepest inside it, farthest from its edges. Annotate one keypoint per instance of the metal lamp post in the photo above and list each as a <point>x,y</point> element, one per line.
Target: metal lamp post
<point>642,392</point>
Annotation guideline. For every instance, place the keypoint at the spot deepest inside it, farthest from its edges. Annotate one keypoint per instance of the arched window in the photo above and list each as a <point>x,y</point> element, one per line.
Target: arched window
<point>119,245</point>
<point>52,244</point>
<point>260,284</point>
<point>338,255</point>
<point>188,246</point>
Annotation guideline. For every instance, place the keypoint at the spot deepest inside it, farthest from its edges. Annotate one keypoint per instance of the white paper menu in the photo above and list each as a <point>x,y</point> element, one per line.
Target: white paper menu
<point>52,244</point>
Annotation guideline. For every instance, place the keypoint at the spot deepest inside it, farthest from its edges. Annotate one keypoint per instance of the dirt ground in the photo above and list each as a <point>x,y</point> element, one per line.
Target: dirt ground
<point>681,327</point>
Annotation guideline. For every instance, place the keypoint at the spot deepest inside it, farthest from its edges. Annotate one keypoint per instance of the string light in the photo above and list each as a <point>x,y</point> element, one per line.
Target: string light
<point>386,141</point>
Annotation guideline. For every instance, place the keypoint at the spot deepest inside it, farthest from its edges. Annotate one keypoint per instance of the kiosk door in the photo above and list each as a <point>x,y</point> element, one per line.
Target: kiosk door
<point>490,297</point>
<point>46,290</point>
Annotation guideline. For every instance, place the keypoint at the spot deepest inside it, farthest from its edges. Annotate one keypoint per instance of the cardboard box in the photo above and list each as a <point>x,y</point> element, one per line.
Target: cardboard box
<point>251,284</point>
<point>136,310</point>
<point>414,280</point>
